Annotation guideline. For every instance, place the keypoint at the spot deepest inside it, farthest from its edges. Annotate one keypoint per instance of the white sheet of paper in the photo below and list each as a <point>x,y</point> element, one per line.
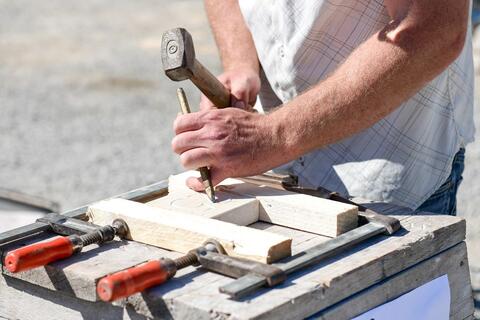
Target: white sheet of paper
<point>428,302</point>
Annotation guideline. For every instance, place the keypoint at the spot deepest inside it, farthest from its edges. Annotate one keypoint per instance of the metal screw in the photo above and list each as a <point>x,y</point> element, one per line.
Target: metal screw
<point>185,261</point>
<point>172,47</point>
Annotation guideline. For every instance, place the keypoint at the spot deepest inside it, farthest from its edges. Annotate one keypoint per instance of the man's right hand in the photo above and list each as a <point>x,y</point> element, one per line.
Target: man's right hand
<point>243,84</point>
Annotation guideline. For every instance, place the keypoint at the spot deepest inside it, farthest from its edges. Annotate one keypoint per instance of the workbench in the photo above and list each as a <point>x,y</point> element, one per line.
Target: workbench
<point>350,284</point>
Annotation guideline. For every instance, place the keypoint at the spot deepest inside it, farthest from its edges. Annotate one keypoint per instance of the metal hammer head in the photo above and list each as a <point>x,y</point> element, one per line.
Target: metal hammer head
<point>178,54</point>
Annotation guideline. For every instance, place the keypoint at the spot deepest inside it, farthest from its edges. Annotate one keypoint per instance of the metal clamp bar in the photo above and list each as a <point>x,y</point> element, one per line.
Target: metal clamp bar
<point>143,194</point>
<point>237,267</point>
<point>64,225</point>
<point>251,282</point>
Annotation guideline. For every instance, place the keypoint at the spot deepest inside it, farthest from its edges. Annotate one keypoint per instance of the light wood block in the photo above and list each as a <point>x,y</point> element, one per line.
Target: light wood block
<point>244,203</point>
<point>182,232</point>
<point>299,211</point>
<point>233,208</point>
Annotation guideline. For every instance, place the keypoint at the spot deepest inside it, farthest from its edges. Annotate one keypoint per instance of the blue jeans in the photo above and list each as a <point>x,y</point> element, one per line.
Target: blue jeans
<point>444,200</point>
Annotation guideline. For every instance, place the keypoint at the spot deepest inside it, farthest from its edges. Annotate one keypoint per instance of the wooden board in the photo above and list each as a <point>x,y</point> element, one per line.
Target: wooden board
<point>326,284</point>
<point>244,203</point>
<point>43,302</point>
<point>299,211</point>
<point>183,232</point>
<point>452,262</point>
<point>232,208</point>
<point>194,293</point>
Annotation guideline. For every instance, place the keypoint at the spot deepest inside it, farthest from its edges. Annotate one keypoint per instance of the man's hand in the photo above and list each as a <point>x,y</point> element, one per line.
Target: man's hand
<point>244,85</point>
<point>229,141</point>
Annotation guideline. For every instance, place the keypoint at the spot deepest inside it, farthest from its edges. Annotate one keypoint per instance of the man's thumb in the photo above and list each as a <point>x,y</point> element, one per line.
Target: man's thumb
<point>196,184</point>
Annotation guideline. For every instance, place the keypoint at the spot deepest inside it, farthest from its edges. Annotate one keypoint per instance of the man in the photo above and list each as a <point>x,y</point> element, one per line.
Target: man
<point>375,97</point>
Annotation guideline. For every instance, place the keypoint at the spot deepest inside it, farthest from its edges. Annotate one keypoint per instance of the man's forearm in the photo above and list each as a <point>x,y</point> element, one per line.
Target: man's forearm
<point>375,79</point>
<point>232,36</point>
<point>424,37</point>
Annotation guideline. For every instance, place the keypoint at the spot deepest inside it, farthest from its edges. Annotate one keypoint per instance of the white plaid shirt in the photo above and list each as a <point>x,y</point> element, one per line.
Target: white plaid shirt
<point>403,158</point>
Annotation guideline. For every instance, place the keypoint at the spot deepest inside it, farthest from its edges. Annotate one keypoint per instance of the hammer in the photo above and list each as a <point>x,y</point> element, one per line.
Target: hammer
<point>179,63</point>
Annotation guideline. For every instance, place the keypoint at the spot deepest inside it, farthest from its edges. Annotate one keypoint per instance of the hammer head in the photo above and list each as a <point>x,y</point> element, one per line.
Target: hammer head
<point>178,54</point>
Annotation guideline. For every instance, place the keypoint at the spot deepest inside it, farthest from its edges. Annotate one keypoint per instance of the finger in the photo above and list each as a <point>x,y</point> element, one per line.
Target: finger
<point>252,99</point>
<point>188,122</point>
<point>240,104</point>
<point>225,79</point>
<point>196,183</point>
<point>205,103</point>
<point>188,140</point>
<point>196,158</point>
<point>239,97</point>
<point>217,175</point>
<point>241,93</point>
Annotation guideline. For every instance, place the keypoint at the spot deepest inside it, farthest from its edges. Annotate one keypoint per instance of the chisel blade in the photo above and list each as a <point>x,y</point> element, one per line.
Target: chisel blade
<point>207,183</point>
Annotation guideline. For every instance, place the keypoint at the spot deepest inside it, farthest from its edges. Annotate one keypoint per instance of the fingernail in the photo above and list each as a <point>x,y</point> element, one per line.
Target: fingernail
<point>239,104</point>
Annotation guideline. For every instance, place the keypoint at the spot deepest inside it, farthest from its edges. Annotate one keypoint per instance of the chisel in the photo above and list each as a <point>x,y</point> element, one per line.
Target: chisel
<point>204,171</point>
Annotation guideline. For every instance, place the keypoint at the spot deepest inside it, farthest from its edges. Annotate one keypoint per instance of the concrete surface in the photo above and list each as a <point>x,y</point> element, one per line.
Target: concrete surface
<point>86,112</point>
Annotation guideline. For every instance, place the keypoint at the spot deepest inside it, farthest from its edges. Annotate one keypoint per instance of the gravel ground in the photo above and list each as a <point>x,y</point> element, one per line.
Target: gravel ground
<point>86,112</point>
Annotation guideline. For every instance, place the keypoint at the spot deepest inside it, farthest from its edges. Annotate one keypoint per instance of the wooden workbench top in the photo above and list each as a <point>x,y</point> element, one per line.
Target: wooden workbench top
<point>193,293</point>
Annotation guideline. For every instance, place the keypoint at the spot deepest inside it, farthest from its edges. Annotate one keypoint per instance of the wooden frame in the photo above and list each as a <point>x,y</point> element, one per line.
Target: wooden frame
<point>184,219</point>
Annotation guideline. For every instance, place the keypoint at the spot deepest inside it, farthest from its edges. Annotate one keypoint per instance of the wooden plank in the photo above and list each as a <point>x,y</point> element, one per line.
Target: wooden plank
<point>452,262</point>
<point>43,303</point>
<point>183,232</point>
<point>142,194</point>
<point>236,209</point>
<point>22,301</point>
<point>244,203</point>
<point>194,292</point>
<point>299,211</point>
<point>73,278</point>
<point>319,287</point>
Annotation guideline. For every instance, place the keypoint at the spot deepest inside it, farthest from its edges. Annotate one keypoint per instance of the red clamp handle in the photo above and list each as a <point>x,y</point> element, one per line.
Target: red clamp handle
<point>127,282</point>
<point>38,254</point>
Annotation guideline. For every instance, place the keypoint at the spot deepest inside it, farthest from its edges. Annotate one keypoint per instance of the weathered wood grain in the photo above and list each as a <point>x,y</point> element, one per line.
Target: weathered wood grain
<point>20,300</point>
<point>183,232</point>
<point>77,275</point>
<point>194,293</point>
<point>452,262</point>
<point>317,288</point>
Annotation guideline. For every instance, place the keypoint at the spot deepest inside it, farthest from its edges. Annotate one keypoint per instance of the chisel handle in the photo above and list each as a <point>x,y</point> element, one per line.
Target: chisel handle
<point>38,254</point>
<point>137,279</point>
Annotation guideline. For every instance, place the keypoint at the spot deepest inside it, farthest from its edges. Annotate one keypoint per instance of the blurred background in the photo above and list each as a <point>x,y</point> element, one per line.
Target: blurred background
<point>86,111</point>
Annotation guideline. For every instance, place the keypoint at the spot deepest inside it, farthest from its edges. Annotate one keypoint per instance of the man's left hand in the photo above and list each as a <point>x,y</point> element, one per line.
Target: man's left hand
<point>231,142</point>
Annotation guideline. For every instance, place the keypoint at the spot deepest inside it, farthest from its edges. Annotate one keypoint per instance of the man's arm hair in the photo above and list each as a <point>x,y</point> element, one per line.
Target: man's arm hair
<point>232,36</point>
<point>421,40</point>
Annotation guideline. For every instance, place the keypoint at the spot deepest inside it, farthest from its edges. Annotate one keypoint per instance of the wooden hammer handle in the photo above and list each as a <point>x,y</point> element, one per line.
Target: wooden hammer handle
<point>211,87</point>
